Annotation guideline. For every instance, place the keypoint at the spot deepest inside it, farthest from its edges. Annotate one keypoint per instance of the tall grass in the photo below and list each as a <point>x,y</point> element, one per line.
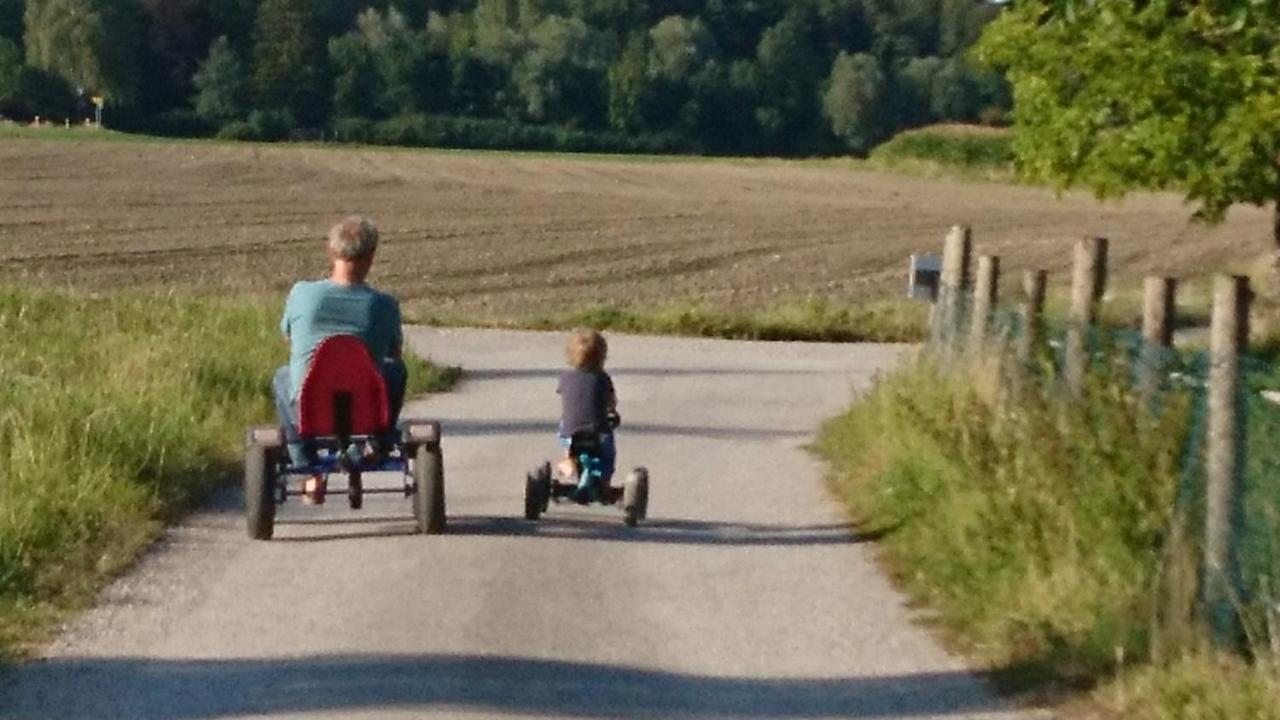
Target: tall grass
<point>117,413</point>
<point>1039,529</point>
<point>812,321</point>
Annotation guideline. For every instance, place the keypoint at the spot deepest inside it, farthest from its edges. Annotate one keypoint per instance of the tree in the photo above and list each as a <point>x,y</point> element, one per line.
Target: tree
<point>561,78</point>
<point>1116,95</point>
<point>629,86</point>
<point>289,65</point>
<point>680,46</point>
<point>10,72</point>
<point>790,73</point>
<point>91,44</point>
<point>222,88</point>
<point>941,89</point>
<point>854,100</point>
<point>11,20</point>
<point>178,37</point>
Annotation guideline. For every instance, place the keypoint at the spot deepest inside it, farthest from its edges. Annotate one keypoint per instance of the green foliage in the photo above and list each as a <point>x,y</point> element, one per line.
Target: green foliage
<point>790,70</point>
<point>1203,686</point>
<point>1119,94</point>
<point>10,72</point>
<point>289,67</point>
<point>222,86</point>
<point>260,126</point>
<point>11,19</point>
<point>91,44</point>
<point>679,46</point>
<point>854,101</point>
<point>439,131</point>
<point>41,93</point>
<point>722,77</point>
<point>629,87</point>
<point>1034,525</point>
<point>116,413</point>
<point>962,148</point>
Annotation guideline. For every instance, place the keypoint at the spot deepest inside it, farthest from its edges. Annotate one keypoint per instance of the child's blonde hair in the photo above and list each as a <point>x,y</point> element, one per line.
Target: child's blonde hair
<point>586,350</point>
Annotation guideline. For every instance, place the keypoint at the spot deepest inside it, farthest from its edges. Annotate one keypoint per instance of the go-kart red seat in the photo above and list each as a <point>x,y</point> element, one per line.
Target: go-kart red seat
<point>343,393</point>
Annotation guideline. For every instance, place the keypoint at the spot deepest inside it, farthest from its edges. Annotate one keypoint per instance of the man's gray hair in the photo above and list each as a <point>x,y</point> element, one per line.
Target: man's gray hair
<point>355,238</point>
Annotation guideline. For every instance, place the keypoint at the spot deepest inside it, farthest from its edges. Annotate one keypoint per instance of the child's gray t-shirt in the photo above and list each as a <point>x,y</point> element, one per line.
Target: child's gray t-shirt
<point>584,398</point>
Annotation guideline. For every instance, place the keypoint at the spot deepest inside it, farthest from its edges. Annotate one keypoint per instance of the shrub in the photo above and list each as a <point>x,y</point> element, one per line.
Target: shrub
<point>949,146</point>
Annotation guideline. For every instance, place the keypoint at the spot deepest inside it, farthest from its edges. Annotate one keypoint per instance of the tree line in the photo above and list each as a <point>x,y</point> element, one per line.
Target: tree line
<point>716,76</point>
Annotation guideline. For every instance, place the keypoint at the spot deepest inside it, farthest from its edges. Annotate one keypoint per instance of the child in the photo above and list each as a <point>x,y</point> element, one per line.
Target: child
<point>588,402</point>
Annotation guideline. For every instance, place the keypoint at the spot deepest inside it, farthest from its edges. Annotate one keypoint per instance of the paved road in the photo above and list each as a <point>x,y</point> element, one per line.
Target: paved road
<point>747,595</point>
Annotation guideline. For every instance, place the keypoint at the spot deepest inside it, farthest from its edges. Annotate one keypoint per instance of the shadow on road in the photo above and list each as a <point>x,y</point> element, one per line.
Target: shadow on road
<point>607,527</point>
<point>665,532</point>
<point>555,372</point>
<point>544,427</point>
<point>146,689</point>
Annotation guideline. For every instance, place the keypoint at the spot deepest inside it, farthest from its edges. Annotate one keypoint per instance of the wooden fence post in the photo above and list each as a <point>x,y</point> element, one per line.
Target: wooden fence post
<point>986,291</point>
<point>1088,280</point>
<point>1034,283</point>
<point>948,313</point>
<point>1159,305</point>
<point>1224,461</point>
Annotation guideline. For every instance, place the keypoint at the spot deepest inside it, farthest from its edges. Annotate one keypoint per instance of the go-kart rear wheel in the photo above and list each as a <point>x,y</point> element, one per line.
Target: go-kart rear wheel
<point>428,501</point>
<point>355,490</point>
<point>259,490</point>
<point>635,497</point>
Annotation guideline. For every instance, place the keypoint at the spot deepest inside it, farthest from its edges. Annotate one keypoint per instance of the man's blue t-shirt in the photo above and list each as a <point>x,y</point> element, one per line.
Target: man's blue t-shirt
<point>320,309</point>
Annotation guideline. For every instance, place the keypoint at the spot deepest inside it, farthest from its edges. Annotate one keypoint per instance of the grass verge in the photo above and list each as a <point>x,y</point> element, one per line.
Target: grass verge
<point>117,414</point>
<point>810,321</point>
<point>1039,532</point>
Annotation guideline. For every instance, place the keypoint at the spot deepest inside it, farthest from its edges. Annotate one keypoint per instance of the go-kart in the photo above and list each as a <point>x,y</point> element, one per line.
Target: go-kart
<point>589,484</point>
<point>343,422</point>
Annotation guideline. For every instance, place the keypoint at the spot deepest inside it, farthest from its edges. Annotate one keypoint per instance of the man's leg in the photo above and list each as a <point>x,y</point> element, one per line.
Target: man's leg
<point>396,377</point>
<point>287,413</point>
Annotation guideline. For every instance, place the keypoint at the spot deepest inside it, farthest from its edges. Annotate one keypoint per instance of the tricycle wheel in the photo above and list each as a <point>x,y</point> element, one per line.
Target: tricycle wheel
<point>428,501</point>
<point>355,490</point>
<point>537,492</point>
<point>532,497</point>
<point>635,497</point>
<point>259,491</point>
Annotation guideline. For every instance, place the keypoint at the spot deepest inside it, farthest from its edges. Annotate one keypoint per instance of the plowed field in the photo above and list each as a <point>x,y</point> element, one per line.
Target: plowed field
<point>497,236</point>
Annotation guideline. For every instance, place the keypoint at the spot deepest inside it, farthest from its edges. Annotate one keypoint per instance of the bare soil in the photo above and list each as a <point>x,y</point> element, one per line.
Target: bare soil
<point>503,237</point>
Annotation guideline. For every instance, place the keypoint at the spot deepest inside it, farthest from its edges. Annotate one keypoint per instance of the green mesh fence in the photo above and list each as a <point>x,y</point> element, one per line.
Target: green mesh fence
<point>1117,356</point>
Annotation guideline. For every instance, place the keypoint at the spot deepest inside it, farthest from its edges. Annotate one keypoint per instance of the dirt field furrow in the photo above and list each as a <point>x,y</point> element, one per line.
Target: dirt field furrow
<point>509,236</point>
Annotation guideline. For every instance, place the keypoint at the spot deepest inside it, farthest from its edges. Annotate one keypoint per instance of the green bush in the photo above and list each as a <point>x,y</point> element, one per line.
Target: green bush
<point>473,133</point>
<point>949,146</point>
<point>240,130</point>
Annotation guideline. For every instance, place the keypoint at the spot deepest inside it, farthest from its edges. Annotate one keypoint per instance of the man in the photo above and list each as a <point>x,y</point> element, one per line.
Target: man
<point>343,304</point>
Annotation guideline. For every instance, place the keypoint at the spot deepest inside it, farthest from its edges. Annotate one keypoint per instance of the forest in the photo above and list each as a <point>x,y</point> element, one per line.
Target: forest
<point>732,77</point>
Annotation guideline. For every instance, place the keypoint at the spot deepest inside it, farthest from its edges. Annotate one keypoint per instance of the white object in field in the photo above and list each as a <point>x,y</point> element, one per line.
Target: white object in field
<point>926,272</point>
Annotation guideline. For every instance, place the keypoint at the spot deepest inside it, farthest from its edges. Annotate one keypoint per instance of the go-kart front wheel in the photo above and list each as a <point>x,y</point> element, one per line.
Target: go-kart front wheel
<point>259,490</point>
<point>428,500</point>
<point>635,497</point>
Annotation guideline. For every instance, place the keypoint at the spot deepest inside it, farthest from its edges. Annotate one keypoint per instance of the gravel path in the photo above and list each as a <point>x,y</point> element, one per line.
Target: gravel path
<point>746,595</point>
